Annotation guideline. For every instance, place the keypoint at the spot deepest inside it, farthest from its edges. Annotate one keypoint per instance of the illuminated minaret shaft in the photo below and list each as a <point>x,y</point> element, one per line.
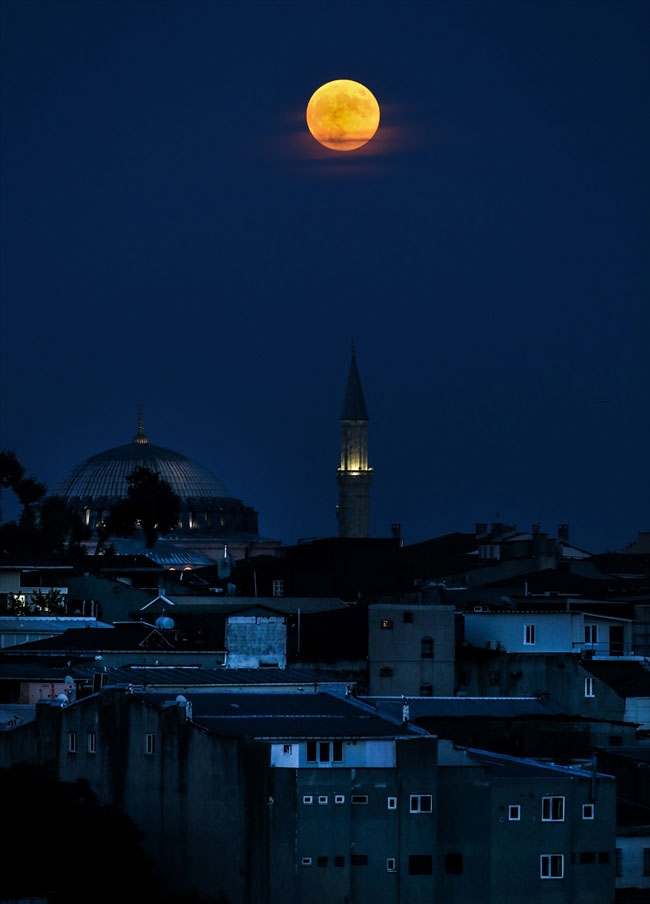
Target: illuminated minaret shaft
<point>354,476</point>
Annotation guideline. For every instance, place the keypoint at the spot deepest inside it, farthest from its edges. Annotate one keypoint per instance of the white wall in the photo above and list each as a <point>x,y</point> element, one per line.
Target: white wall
<point>631,848</point>
<point>356,754</point>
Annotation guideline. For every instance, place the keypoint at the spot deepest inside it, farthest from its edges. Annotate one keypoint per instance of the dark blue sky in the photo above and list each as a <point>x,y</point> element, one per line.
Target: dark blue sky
<point>173,236</point>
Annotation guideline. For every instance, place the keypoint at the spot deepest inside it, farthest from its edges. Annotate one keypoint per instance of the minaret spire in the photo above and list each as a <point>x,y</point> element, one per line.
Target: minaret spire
<point>141,437</point>
<point>354,476</point>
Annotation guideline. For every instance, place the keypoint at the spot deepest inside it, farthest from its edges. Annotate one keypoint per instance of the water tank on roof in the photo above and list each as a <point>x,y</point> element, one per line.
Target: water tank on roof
<point>165,623</point>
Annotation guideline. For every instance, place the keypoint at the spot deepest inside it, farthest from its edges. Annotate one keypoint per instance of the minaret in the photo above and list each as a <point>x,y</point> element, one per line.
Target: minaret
<point>354,476</point>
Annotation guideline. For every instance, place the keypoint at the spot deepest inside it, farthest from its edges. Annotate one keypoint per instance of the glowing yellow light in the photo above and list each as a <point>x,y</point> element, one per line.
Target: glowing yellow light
<point>343,115</point>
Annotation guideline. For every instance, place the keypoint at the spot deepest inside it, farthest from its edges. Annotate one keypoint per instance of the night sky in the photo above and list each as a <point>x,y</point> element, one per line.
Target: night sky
<point>173,236</point>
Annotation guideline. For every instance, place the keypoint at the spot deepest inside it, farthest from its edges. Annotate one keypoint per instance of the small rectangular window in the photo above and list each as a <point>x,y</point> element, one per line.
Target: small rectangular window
<point>426,690</point>
<point>92,742</point>
<point>321,861</point>
<point>463,678</point>
<point>278,587</point>
<point>311,751</point>
<point>591,634</point>
<point>588,811</point>
<point>72,742</point>
<point>323,798</point>
<point>587,857</point>
<point>386,672</point>
<point>308,799</point>
<point>149,743</point>
<point>323,752</point>
<point>619,862</point>
<point>453,863</point>
<point>386,624</point>
<point>392,803</point>
<point>339,798</point>
<point>421,803</point>
<point>287,749</point>
<point>391,865</point>
<point>603,856</point>
<point>306,861</point>
<point>339,860</point>
<point>407,618</point>
<point>551,866</point>
<point>359,798</point>
<point>337,751</point>
<point>358,860</point>
<point>426,648</point>
<point>589,687</point>
<point>514,812</point>
<point>552,809</point>
<point>529,634</point>
<point>420,865</point>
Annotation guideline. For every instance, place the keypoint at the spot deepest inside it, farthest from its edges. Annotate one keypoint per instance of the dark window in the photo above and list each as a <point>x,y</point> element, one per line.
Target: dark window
<point>646,861</point>
<point>453,863</point>
<point>619,862</point>
<point>321,861</point>
<point>420,865</point>
<point>587,857</point>
<point>337,751</point>
<point>386,624</point>
<point>359,798</point>
<point>463,679</point>
<point>386,672</point>
<point>324,752</point>
<point>311,751</point>
<point>426,690</point>
<point>427,648</point>
<point>359,860</point>
<point>407,618</point>
<point>615,740</point>
<point>339,861</point>
<point>603,857</point>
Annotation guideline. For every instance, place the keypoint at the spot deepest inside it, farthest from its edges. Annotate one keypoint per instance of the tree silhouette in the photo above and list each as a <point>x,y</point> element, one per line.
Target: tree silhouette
<point>150,504</point>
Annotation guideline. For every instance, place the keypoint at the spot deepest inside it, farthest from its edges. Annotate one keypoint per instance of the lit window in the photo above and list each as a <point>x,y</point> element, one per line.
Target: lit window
<point>323,798</point>
<point>92,742</point>
<point>150,743</point>
<point>529,634</point>
<point>589,687</point>
<point>392,803</point>
<point>588,811</point>
<point>514,812</point>
<point>72,742</point>
<point>552,809</point>
<point>426,648</point>
<point>359,798</point>
<point>421,803</point>
<point>391,865</point>
<point>551,866</point>
<point>278,588</point>
<point>591,634</point>
<point>386,624</point>
<point>339,798</point>
<point>308,799</point>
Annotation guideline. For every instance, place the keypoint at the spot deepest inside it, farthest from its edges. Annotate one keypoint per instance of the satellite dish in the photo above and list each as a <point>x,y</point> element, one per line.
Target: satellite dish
<point>62,698</point>
<point>181,699</point>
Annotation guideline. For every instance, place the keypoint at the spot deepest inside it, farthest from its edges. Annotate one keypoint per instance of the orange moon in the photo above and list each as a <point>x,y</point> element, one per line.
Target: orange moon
<point>343,115</point>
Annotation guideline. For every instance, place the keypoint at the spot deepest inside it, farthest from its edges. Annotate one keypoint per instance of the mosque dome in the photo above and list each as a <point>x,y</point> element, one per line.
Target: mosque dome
<point>103,476</point>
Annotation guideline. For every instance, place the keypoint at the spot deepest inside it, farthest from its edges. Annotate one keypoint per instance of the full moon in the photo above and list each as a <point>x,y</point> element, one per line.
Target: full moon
<point>343,115</point>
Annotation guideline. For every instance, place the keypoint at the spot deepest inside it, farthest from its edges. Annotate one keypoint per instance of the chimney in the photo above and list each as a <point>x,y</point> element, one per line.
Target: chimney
<point>396,531</point>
